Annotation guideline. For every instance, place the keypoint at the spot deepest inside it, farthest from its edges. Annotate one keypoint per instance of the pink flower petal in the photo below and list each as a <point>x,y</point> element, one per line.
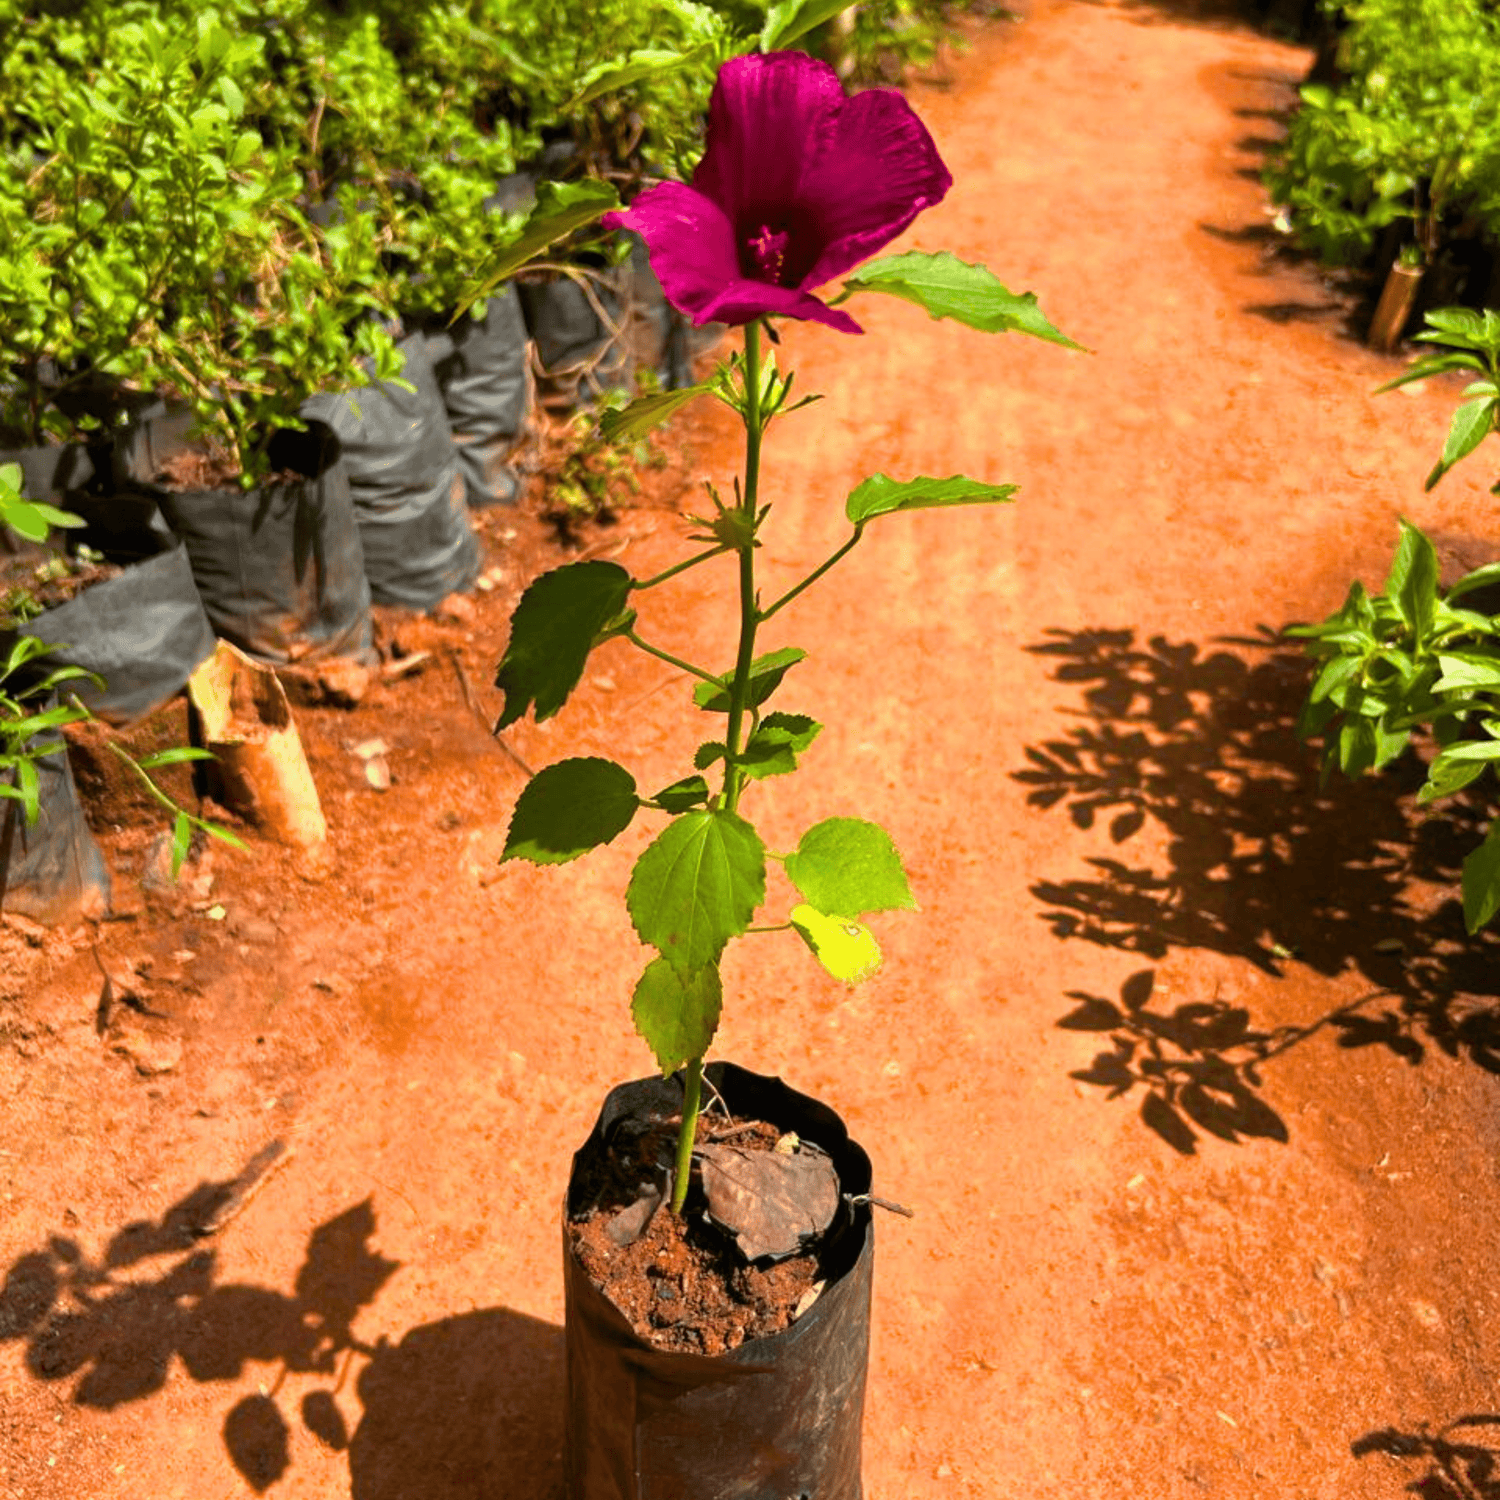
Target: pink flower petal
<point>877,172</point>
<point>690,242</point>
<point>744,301</point>
<point>768,116</point>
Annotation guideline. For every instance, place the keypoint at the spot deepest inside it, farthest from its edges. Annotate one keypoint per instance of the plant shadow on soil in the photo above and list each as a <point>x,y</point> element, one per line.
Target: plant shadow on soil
<point>1461,1460</point>
<point>1258,862</point>
<point>459,1407</point>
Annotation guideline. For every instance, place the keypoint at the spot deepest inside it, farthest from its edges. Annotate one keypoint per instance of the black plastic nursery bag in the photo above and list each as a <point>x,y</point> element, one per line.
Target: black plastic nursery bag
<point>403,472</point>
<point>482,369</point>
<point>777,1418</point>
<point>51,871</point>
<point>144,632</point>
<point>280,568</point>
<point>50,470</point>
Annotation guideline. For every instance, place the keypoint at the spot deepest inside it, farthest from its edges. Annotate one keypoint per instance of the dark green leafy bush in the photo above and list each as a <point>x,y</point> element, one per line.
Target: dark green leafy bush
<point>1414,132</point>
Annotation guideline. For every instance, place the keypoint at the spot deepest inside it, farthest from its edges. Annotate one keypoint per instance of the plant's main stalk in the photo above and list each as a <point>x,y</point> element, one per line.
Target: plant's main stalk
<point>739,694</point>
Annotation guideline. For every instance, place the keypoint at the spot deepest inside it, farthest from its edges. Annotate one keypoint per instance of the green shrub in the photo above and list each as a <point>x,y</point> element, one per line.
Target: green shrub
<point>1414,133</point>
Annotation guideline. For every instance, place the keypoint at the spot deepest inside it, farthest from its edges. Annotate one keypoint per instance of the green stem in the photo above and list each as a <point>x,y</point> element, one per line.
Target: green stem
<point>692,1094</point>
<point>666,656</point>
<point>812,577</point>
<point>682,567</point>
<point>739,692</point>
<point>739,696</point>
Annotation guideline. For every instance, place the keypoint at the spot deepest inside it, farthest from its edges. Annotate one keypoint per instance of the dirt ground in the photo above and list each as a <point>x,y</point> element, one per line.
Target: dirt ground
<point>1186,1066</point>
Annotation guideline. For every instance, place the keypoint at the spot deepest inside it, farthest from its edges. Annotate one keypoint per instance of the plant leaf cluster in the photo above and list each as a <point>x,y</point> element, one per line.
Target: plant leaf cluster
<point>1413,657</point>
<point>701,880</point>
<point>1412,132</point>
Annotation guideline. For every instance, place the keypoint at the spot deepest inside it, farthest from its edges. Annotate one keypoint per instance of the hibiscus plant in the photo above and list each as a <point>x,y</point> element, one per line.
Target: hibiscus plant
<point>798,185</point>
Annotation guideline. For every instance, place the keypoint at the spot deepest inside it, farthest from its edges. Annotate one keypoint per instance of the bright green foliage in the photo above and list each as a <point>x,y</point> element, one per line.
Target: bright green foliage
<point>676,1011</point>
<point>561,207</point>
<point>555,626</point>
<point>847,949</point>
<point>28,518</point>
<point>952,288</point>
<point>632,422</point>
<point>788,21</point>
<point>1414,133</point>
<point>30,731</point>
<point>696,886</point>
<point>881,496</point>
<point>845,867</point>
<point>1405,659</point>
<point>568,808</point>
<point>1471,341</point>
<point>765,677</point>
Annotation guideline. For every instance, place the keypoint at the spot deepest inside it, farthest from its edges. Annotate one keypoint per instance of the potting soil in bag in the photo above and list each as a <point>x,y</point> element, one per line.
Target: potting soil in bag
<point>144,632</point>
<point>481,366</point>
<point>280,568</point>
<point>776,1418</point>
<point>51,871</point>
<point>409,499</point>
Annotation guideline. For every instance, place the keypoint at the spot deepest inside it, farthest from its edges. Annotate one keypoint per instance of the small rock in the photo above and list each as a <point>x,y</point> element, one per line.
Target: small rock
<point>369,749</point>
<point>378,773</point>
<point>151,1052</point>
<point>456,609</point>
<point>405,666</point>
<point>337,682</point>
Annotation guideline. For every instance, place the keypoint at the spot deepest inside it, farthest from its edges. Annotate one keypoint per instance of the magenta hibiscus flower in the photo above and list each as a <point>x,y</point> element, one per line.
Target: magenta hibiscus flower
<point>798,185</point>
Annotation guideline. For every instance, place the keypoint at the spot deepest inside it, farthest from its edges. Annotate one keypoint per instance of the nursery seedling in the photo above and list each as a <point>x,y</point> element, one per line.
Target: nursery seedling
<point>786,199</point>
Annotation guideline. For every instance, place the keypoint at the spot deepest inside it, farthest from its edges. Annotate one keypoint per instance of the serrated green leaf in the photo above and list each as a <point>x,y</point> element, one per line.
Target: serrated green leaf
<point>647,62</point>
<point>778,740</point>
<point>696,886</point>
<point>677,1011</point>
<point>561,207</point>
<point>1471,424</point>
<point>952,288</point>
<point>1481,881</point>
<point>568,808</point>
<point>554,627</point>
<point>646,413</point>
<point>1478,579</point>
<point>847,949</point>
<point>846,867</point>
<point>786,20</point>
<point>766,673</point>
<point>881,495</point>
<point>691,791</point>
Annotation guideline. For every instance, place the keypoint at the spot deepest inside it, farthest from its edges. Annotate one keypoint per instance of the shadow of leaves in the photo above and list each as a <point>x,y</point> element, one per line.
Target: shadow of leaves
<point>1186,759</point>
<point>1460,1461</point>
<point>116,1324</point>
<point>1198,1064</point>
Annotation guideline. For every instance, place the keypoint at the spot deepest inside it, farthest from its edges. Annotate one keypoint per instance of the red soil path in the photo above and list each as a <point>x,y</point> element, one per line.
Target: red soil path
<point>1302,1305</point>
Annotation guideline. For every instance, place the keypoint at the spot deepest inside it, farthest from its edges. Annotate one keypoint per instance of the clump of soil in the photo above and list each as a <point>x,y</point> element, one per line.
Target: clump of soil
<point>683,1285</point>
<point>197,469</point>
<point>31,583</point>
